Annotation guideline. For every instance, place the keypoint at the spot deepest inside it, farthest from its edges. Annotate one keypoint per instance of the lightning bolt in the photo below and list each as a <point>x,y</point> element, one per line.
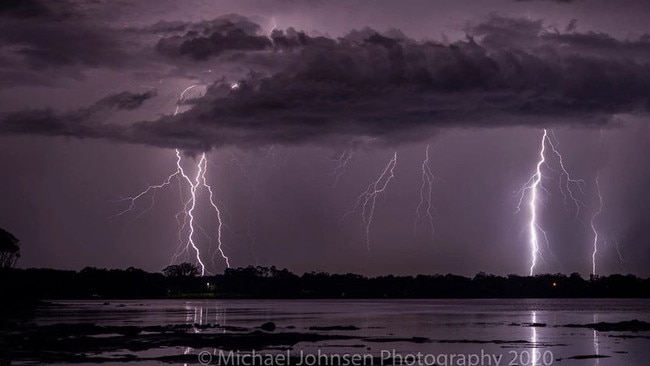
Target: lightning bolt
<point>534,184</point>
<point>618,251</point>
<point>341,166</point>
<point>617,247</point>
<point>133,200</point>
<point>565,177</point>
<point>189,205</point>
<point>368,199</point>
<point>205,184</point>
<point>181,98</point>
<point>190,214</point>
<point>274,26</point>
<point>426,190</point>
<point>599,210</point>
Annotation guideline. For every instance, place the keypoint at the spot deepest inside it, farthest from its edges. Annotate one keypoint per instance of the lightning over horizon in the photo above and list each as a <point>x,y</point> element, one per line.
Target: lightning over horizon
<point>566,184</point>
<point>188,244</point>
<point>369,197</point>
<point>205,184</point>
<point>426,193</point>
<point>533,185</point>
<point>341,166</point>
<point>565,189</point>
<point>232,133</point>
<point>599,210</point>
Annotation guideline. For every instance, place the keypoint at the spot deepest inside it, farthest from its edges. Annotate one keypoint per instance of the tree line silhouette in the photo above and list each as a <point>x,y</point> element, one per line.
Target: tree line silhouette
<point>182,280</point>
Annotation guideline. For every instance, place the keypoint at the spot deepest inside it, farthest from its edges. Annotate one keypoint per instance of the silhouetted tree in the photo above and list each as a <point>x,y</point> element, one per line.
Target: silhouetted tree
<point>9,249</point>
<point>181,270</point>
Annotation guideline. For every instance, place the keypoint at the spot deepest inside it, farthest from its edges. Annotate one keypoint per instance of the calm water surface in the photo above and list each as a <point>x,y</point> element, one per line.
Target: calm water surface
<point>493,327</point>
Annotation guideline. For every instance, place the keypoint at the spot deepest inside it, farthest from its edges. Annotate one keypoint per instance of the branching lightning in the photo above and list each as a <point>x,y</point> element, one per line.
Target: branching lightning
<point>426,192</point>
<point>187,243</point>
<point>341,166</point>
<point>368,199</point>
<point>190,214</point>
<point>153,188</point>
<point>565,178</point>
<point>599,210</point>
<point>205,184</point>
<point>534,185</point>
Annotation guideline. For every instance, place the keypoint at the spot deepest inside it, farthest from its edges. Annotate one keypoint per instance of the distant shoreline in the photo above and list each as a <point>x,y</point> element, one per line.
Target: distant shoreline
<point>271,283</point>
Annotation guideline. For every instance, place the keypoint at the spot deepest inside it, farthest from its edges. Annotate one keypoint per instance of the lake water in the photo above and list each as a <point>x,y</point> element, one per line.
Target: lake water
<point>468,330</point>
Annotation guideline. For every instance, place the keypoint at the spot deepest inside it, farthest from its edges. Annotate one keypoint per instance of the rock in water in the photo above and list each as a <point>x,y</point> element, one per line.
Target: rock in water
<point>268,326</point>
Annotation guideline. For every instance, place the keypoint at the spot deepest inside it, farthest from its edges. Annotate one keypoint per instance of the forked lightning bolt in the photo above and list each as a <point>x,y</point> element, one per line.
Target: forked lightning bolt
<point>368,199</point>
<point>599,210</point>
<point>565,178</point>
<point>426,191</point>
<point>190,214</point>
<point>533,186</point>
<point>205,184</point>
<point>189,205</point>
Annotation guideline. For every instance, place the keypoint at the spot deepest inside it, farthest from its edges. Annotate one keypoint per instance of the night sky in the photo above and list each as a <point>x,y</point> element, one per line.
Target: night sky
<point>286,90</point>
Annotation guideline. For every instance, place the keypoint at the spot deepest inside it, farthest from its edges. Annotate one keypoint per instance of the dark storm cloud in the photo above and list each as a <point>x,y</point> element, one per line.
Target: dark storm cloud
<point>369,87</point>
<point>43,41</point>
<point>85,122</point>
<point>500,33</point>
<point>124,100</point>
<point>36,9</point>
<point>210,38</point>
<point>511,71</point>
<point>572,26</point>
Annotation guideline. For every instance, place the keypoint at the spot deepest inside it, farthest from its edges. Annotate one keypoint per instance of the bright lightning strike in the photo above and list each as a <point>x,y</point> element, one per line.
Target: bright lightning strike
<point>534,184</point>
<point>189,206</point>
<point>599,210</point>
<point>190,214</point>
<point>166,182</point>
<point>181,98</point>
<point>368,199</point>
<point>205,184</point>
<point>426,190</point>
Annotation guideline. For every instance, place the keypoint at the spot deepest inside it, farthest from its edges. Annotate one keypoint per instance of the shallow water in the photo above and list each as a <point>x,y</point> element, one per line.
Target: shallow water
<point>483,328</point>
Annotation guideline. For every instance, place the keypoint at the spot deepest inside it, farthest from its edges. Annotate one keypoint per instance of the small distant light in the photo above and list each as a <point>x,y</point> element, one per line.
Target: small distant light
<point>554,284</point>
<point>234,86</point>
